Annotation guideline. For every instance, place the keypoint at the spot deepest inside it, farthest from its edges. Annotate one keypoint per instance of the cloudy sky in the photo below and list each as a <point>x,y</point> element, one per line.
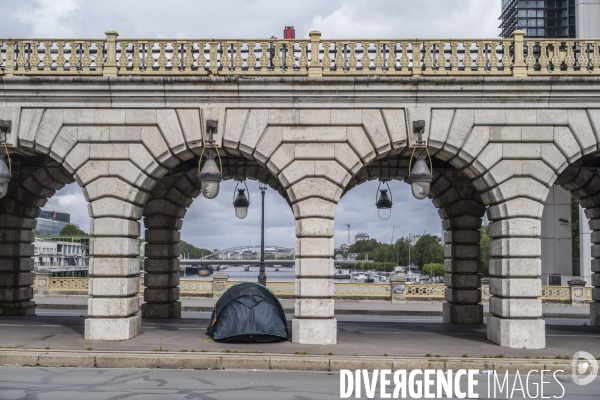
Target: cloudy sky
<point>212,224</point>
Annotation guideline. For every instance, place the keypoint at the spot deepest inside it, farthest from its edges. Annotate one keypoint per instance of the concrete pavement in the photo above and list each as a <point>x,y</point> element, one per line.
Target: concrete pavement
<point>362,338</point>
<point>342,307</point>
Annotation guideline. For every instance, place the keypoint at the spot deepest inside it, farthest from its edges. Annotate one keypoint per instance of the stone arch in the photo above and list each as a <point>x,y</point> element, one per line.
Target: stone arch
<point>116,156</point>
<point>163,218</point>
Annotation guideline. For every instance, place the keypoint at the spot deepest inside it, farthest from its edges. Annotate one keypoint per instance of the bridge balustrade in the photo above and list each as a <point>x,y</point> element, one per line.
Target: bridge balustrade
<point>299,57</point>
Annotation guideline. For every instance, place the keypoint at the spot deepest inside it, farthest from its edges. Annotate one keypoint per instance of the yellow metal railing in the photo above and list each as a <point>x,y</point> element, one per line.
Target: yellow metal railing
<point>315,57</point>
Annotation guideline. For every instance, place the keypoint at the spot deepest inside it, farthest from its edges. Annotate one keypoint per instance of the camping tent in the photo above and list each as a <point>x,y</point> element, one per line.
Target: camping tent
<point>248,312</point>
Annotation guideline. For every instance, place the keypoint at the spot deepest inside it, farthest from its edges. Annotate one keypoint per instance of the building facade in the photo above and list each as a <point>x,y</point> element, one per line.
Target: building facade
<point>52,222</point>
<point>61,258</point>
<point>551,18</point>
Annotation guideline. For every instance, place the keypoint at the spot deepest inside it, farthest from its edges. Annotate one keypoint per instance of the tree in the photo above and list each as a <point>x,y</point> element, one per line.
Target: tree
<point>427,250</point>
<point>191,251</point>
<point>71,230</point>
<point>434,269</point>
<point>484,243</point>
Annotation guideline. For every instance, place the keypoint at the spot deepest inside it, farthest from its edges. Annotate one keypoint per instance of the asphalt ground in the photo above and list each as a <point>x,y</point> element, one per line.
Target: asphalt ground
<point>44,383</point>
<point>357,335</point>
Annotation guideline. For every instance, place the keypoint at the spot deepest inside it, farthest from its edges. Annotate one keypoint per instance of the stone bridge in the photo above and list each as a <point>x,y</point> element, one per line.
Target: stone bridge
<point>505,120</point>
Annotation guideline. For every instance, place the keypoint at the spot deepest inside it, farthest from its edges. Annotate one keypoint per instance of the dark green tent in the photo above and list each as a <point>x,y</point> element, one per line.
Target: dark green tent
<point>248,312</point>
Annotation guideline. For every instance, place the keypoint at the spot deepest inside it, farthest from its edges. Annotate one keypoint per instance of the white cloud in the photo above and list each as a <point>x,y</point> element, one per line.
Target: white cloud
<point>56,18</point>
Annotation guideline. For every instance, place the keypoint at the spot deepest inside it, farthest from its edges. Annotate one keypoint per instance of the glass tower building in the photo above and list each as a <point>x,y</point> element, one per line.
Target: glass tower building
<point>539,18</point>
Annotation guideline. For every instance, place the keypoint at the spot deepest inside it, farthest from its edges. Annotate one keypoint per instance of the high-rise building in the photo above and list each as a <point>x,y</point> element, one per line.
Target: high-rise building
<point>551,18</point>
<point>52,222</point>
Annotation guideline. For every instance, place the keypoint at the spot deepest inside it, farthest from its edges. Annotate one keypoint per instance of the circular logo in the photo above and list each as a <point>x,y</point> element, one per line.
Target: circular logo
<point>583,363</point>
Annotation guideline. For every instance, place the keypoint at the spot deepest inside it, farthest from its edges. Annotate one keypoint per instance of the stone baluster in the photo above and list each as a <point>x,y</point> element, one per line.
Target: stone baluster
<point>519,66</point>
<point>314,68</point>
<point>110,66</point>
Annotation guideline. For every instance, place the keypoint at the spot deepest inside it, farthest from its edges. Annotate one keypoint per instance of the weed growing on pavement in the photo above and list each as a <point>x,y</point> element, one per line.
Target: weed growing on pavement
<point>465,355</point>
<point>301,352</point>
<point>437,355</point>
<point>183,351</point>
<point>89,349</point>
<point>385,354</point>
<point>499,356</point>
<point>428,355</point>
<point>330,353</point>
<point>47,347</point>
<point>160,350</point>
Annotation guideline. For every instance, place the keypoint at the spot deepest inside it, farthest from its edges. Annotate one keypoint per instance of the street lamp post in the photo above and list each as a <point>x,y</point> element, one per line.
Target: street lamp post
<point>262,276</point>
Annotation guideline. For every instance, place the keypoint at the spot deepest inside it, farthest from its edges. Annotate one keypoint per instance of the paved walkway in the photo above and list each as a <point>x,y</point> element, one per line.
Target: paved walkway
<point>341,307</point>
<point>359,337</point>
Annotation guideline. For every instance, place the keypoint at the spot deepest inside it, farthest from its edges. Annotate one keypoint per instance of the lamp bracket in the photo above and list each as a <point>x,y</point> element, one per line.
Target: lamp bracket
<point>211,129</point>
<point>5,127</point>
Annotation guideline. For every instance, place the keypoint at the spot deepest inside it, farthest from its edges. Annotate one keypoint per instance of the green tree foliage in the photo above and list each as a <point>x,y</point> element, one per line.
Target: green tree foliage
<point>72,230</point>
<point>376,266</point>
<point>427,250</point>
<point>484,249</point>
<point>434,269</point>
<point>575,226</point>
<point>191,251</point>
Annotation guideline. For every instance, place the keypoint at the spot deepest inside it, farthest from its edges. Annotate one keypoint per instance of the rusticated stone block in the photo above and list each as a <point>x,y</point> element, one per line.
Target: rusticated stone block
<point>161,280</point>
<point>462,313</point>
<point>161,295</point>
<point>161,311</point>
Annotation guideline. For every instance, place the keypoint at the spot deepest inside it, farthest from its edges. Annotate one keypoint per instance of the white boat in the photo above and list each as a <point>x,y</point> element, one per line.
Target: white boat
<point>359,277</point>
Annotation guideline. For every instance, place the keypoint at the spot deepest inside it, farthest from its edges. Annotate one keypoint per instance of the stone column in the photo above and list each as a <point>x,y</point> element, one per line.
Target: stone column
<point>485,290</point>
<point>42,283</point>
<point>462,265</point>
<point>161,278</point>
<point>515,267</point>
<point>16,264</point>
<point>219,284</point>
<point>399,296</point>
<point>114,279</point>
<point>595,305</point>
<point>163,214</point>
<point>461,209</point>
<point>314,321</point>
<point>577,291</point>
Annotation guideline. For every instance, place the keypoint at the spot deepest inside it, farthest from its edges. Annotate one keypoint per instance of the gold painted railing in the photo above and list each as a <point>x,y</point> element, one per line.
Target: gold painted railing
<point>315,57</point>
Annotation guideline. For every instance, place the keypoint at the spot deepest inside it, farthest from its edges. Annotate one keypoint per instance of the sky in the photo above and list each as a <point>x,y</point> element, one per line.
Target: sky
<point>212,224</point>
